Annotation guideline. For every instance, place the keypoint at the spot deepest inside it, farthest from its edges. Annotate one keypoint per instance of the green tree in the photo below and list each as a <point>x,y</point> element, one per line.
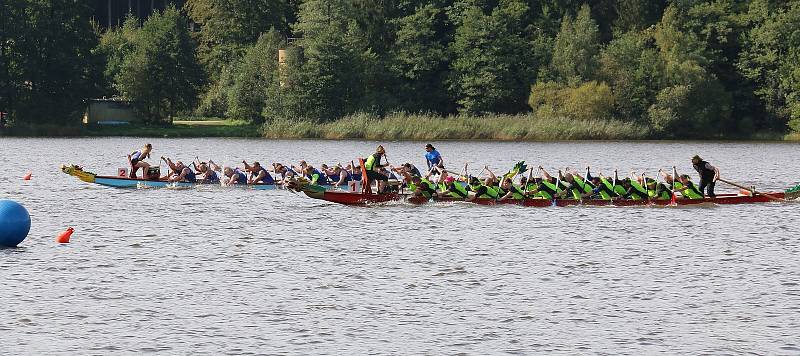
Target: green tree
<point>587,101</point>
<point>492,59</point>
<point>47,59</point>
<point>115,45</point>
<point>161,75</point>
<point>636,73</point>
<point>230,26</point>
<point>13,30</point>
<point>770,59</point>
<point>420,60</point>
<point>257,72</point>
<point>576,48</point>
<point>693,103</point>
<point>323,76</point>
<point>637,15</point>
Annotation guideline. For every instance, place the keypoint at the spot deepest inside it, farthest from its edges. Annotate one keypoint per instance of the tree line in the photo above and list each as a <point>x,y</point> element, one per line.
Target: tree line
<point>682,68</point>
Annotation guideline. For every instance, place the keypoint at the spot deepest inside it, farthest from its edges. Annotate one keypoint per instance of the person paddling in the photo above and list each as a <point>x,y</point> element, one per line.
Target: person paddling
<point>137,160</point>
<point>235,176</point>
<point>511,191</point>
<point>686,187</point>
<point>258,174</point>
<point>182,173</point>
<point>315,176</point>
<point>708,175</point>
<point>339,176</point>
<point>487,189</point>
<point>285,172</point>
<point>208,170</point>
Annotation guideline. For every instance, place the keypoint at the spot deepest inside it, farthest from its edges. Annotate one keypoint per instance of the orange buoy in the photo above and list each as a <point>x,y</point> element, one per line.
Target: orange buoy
<point>27,176</point>
<point>64,236</point>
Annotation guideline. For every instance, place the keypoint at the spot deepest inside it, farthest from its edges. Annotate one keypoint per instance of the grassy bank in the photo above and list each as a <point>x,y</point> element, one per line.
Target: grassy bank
<point>186,128</point>
<point>401,126</point>
<point>524,127</point>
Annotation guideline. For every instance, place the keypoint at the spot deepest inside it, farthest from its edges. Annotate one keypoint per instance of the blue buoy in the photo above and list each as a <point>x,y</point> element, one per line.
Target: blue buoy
<point>15,222</point>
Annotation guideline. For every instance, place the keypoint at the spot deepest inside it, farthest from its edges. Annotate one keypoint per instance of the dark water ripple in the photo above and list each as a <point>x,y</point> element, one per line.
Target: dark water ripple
<point>227,271</point>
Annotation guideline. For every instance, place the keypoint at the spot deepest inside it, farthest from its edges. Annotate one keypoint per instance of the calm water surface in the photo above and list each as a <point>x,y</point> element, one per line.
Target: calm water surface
<point>227,271</point>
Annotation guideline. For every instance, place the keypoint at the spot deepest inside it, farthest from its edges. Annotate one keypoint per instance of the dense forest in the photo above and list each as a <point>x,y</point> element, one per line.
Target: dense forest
<point>680,68</point>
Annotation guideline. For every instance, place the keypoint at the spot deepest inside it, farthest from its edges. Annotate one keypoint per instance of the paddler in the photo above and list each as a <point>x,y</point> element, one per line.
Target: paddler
<point>235,176</point>
<point>209,173</point>
<point>373,167</point>
<point>284,171</point>
<point>633,190</point>
<point>657,190</point>
<point>410,168</point>
<point>449,186</point>
<point>452,188</point>
<point>708,175</point>
<point>315,176</point>
<point>301,168</point>
<point>576,185</point>
<point>258,174</point>
<point>137,160</point>
<point>181,172</point>
<point>511,191</point>
<point>545,187</point>
<point>487,189</point>
<point>603,189</point>
<point>687,188</point>
<point>338,176</point>
<point>423,187</point>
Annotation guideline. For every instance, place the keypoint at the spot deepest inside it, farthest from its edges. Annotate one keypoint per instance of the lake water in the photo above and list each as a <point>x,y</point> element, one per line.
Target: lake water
<point>228,271</point>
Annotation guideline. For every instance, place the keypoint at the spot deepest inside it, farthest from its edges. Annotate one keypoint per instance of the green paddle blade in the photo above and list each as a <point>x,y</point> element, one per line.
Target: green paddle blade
<point>519,167</point>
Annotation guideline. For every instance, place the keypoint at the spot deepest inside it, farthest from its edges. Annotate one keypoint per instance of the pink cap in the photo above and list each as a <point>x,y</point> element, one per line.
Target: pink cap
<point>449,180</point>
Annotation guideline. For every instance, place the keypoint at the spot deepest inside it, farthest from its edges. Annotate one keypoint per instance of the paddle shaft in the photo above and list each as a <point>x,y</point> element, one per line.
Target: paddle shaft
<point>752,190</point>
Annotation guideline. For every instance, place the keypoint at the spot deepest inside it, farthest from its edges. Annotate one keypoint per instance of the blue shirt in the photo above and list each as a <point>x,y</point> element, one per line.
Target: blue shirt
<point>433,158</point>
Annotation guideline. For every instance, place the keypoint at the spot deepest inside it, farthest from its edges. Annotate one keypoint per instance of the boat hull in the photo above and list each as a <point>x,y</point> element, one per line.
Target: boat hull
<point>125,182</point>
<point>122,182</point>
<point>356,198</point>
<point>348,198</point>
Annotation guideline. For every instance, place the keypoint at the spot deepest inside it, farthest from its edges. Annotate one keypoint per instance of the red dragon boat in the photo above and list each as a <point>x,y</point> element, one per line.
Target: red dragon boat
<point>366,197</point>
<point>350,198</point>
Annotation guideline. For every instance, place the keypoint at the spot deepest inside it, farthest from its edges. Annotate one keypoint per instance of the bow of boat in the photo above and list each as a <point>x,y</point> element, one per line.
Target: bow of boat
<point>78,172</point>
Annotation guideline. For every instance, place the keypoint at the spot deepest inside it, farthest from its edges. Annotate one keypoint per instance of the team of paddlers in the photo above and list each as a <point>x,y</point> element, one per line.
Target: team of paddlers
<point>518,183</point>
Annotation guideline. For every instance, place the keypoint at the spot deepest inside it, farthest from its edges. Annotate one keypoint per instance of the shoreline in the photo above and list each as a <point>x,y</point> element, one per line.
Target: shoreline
<point>500,128</point>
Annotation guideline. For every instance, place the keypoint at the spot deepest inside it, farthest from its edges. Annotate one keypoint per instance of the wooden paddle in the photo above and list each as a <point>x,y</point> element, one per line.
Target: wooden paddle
<point>751,190</point>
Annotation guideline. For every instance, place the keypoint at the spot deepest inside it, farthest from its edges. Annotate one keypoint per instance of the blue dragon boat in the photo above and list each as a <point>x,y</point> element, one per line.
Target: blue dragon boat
<point>126,182</point>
